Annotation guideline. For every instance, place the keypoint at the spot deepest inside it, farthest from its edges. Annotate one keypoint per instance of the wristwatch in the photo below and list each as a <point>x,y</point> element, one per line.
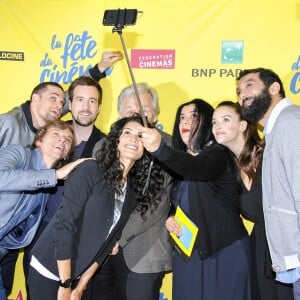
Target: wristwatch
<point>66,284</point>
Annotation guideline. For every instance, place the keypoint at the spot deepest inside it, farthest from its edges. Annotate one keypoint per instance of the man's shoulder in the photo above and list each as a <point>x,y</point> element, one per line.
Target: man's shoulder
<point>167,138</point>
<point>88,169</point>
<point>294,109</point>
<point>287,120</point>
<point>98,145</point>
<point>13,115</point>
<point>88,165</point>
<point>15,148</point>
<point>289,114</point>
<point>16,128</point>
<point>98,133</point>
<point>18,153</point>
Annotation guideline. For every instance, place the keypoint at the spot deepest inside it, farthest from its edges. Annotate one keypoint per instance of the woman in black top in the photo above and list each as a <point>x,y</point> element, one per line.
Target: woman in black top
<point>241,137</point>
<point>208,192</point>
<point>97,201</point>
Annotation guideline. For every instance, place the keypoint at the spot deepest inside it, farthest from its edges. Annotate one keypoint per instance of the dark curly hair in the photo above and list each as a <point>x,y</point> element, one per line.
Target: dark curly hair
<point>149,190</point>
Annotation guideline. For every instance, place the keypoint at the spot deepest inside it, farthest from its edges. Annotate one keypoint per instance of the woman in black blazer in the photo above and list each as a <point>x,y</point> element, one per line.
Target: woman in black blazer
<point>98,199</point>
<point>207,191</point>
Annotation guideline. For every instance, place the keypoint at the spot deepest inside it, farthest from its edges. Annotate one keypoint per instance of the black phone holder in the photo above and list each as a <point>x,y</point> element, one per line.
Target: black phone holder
<point>119,18</point>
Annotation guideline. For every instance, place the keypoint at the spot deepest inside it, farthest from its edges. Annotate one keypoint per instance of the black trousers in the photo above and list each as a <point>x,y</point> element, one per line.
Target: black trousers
<point>27,254</point>
<point>7,267</point>
<point>114,281</point>
<point>40,287</point>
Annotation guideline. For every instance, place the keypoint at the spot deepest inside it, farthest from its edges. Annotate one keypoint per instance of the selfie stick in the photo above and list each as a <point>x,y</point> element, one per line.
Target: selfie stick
<point>118,29</point>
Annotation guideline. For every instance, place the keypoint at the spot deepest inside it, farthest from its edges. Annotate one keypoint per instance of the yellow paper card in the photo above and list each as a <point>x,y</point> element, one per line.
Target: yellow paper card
<point>187,239</point>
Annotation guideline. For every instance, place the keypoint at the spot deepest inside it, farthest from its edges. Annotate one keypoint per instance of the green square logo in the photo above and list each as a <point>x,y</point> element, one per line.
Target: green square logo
<point>232,52</point>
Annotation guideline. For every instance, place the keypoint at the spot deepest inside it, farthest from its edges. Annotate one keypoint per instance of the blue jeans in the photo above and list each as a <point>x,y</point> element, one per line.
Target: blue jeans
<point>3,252</point>
<point>2,290</point>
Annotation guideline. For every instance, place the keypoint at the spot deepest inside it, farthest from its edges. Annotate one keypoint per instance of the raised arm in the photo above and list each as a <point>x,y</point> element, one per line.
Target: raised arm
<point>207,165</point>
<point>98,71</point>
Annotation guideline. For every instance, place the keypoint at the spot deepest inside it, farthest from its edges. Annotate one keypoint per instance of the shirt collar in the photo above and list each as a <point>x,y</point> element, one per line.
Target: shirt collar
<point>26,110</point>
<point>279,107</point>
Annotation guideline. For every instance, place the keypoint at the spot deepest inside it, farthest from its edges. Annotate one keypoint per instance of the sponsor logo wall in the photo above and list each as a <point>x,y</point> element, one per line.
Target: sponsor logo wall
<point>184,49</point>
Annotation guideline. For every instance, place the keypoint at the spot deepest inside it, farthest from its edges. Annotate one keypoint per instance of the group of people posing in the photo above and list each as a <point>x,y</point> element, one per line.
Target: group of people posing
<point>93,212</point>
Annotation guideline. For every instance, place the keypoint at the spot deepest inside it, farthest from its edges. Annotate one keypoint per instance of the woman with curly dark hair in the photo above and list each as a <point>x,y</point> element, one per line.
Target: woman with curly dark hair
<point>241,137</point>
<point>98,199</point>
<point>146,188</point>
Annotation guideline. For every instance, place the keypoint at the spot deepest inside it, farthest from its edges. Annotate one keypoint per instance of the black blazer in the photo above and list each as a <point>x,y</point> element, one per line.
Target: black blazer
<point>214,191</point>
<point>79,230</point>
<point>95,136</point>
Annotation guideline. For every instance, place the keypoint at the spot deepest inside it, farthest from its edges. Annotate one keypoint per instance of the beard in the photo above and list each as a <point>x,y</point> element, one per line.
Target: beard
<point>258,108</point>
<point>84,122</point>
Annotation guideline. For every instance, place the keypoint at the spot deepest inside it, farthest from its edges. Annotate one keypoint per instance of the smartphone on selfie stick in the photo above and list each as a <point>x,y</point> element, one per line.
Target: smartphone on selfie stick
<point>119,18</point>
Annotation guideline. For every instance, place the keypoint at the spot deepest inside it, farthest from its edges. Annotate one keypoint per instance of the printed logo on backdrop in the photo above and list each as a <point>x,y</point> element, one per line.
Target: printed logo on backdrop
<point>152,59</point>
<point>71,50</point>
<point>11,55</point>
<point>295,81</point>
<point>231,53</point>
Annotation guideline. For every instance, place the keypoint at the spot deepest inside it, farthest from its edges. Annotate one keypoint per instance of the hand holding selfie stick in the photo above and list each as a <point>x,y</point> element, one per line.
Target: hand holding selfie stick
<point>119,18</point>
